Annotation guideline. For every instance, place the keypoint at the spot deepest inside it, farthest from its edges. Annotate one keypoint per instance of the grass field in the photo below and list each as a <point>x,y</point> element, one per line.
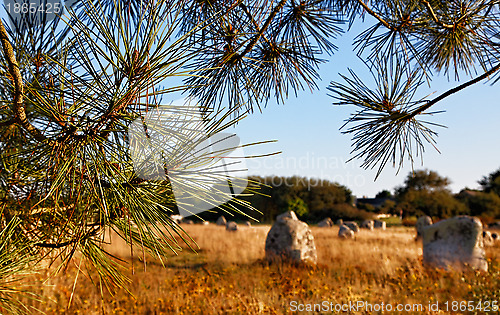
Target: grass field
<point>229,275</point>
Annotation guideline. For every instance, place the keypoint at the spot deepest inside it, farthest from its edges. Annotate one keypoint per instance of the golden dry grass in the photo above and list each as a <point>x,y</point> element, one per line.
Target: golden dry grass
<point>229,275</point>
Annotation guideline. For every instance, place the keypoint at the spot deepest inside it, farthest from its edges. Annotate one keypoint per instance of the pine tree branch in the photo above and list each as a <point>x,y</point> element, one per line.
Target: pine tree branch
<point>58,245</point>
<point>452,91</point>
<point>434,16</point>
<point>87,235</point>
<point>270,18</point>
<point>18,86</point>
<point>375,15</point>
<point>250,16</point>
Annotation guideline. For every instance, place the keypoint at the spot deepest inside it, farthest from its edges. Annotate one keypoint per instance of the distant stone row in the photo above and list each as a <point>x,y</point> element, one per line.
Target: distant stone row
<point>456,243</point>
<point>349,228</point>
<point>367,224</point>
<point>230,225</point>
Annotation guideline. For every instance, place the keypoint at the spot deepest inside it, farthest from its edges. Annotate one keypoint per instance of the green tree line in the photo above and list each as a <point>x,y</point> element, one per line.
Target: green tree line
<point>311,199</point>
<point>424,192</point>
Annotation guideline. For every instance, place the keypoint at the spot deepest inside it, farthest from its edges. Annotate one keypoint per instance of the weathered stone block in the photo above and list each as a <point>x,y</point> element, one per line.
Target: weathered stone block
<point>290,239</point>
<point>455,243</point>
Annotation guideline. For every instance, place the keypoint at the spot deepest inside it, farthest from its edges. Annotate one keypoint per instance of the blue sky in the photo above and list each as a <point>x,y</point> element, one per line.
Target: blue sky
<point>307,130</point>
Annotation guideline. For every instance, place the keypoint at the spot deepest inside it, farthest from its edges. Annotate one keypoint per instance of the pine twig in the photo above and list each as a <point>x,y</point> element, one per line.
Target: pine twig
<point>434,16</point>
<point>18,86</point>
<point>453,91</point>
<point>270,18</point>
<point>375,15</point>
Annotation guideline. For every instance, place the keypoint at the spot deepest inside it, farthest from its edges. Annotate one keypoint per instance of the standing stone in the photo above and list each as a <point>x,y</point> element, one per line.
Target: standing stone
<point>353,226</point>
<point>345,232</point>
<point>231,226</point>
<point>367,224</point>
<point>488,239</point>
<point>290,239</point>
<point>247,223</point>
<point>339,222</point>
<point>287,215</point>
<point>221,220</point>
<point>378,224</point>
<point>455,244</point>
<point>422,222</point>
<point>326,223</point>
